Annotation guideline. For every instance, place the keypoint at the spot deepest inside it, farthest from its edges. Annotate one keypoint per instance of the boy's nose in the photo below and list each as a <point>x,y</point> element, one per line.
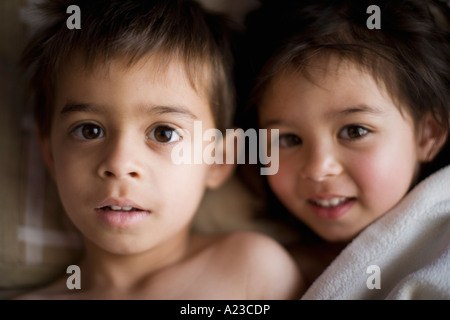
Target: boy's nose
<point>120,160</point>
<point>319,163</point>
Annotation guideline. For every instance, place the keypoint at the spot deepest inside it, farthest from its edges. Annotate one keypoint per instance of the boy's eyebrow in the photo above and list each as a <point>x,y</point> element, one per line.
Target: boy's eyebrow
<point>160,110</point>
<point>72,107</point>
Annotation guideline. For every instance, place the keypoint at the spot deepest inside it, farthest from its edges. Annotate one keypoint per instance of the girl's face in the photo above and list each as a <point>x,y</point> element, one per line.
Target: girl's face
<point>348,154</point>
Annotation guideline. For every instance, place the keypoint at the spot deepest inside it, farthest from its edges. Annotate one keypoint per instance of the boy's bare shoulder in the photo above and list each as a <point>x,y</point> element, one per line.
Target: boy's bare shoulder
<point>251,244</point>
<point>269,270</point>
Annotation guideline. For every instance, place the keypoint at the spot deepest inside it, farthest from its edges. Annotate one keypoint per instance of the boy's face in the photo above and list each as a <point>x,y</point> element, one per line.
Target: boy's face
<point>110,152</point>
<point>347,154</point>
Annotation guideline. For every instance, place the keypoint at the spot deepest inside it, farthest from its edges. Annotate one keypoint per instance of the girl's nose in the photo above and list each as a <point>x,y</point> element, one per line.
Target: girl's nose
<point>319,163</point>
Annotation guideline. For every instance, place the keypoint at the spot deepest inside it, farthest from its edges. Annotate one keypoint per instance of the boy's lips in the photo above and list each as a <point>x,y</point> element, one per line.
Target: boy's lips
<point>121,212</point>
<point>120,205</point>
<point>330,206</point>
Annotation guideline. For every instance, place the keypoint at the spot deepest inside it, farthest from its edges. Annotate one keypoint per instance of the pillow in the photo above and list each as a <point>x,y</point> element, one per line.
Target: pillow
<point>36,239</point>
<point>33,243</point>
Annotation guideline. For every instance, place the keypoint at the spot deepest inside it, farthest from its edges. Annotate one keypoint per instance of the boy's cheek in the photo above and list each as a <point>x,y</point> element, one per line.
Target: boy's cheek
<point>47,154</point>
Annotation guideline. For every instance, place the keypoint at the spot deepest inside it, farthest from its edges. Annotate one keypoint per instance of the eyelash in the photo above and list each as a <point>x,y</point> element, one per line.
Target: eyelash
<point>290,140</point>
<point>151,134</point>
<point>360,130</point>
<point>80,133</point>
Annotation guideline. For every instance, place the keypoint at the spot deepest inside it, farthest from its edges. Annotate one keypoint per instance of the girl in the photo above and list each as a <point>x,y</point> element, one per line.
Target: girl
<point>360,111</point>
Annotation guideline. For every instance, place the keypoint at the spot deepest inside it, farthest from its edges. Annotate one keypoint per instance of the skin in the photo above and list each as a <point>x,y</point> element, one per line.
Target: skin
<point>341,136</point>
<point>112,134</point>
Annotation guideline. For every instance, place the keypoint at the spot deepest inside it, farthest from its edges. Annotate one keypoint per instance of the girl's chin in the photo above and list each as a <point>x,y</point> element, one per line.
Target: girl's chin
<point>333,235</point>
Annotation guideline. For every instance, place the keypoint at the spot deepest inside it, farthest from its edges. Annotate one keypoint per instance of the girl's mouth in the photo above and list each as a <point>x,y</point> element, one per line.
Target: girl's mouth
<point>331,207</point>
<point>330,202</point>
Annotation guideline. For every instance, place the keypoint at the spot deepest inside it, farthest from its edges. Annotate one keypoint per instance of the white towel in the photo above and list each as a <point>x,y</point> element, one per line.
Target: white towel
<point>410,245</point>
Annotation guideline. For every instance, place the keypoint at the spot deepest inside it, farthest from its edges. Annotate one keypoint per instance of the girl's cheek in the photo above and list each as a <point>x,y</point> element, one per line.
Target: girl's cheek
<point>280,182</point>
<point>381,180</point>
<point>273,182</point>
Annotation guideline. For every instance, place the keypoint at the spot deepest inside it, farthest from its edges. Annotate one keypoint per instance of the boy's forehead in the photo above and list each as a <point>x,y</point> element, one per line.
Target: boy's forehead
<point>151,80</point>
<point>159,67</point>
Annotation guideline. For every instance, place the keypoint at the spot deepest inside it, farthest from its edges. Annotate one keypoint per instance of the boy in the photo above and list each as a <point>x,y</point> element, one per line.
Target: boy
<point>112,100</point>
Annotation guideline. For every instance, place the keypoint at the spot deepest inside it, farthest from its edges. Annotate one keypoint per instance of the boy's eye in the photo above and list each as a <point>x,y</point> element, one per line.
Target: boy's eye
<point>164,134</point>
<point>289,140</point>
<point>353,132</point>
<point>88,131</point>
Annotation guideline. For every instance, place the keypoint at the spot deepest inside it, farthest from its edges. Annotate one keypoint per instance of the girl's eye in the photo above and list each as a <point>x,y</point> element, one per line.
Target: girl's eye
<point>88,131</point>
<point>289,140</point>
<point>164,134</point>
<point>353,132</point>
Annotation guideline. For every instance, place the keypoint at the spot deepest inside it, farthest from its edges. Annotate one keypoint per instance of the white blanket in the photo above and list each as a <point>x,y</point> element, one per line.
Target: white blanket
<point>410,245</point>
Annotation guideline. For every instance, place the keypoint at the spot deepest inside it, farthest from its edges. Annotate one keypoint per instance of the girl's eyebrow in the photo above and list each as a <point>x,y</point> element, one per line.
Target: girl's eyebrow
<point>73,107</point>
<point>274,122</point>
<point>360,108</point>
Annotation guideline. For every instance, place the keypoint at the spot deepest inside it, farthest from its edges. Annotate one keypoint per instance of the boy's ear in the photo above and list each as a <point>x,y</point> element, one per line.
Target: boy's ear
<point>220,171</point>
<point>431,138</point>
<point>44,145</point>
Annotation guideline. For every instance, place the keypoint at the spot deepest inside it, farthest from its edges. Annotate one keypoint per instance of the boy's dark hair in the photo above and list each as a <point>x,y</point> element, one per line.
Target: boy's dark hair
<point>132,29</point>
<point>409,54</point>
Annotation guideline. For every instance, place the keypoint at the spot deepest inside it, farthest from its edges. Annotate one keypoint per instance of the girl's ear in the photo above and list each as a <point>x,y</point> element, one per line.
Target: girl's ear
<point>44,145</point>
<point>224,166</point>
<point>431,138</point>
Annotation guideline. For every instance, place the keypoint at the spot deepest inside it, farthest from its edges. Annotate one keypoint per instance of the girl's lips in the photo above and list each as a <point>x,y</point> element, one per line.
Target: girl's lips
<point>331,209</point>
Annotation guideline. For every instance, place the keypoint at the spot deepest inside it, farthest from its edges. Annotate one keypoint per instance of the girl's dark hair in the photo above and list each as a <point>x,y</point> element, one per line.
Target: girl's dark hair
<point>132,29</point>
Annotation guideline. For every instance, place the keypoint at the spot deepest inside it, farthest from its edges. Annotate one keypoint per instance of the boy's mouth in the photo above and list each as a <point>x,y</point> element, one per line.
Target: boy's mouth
<point>119,205</point>
<point>121,213</point>
<point>119,208</point>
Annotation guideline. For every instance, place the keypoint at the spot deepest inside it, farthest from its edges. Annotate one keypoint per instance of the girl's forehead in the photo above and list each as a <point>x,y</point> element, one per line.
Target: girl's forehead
<point>326,66</point>
<point>329,75</point>
<point>334,86</point>
<point>333,72</point>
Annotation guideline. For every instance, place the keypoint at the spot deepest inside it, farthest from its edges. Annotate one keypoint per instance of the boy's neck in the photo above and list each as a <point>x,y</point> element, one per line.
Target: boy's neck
<point>109,272</point>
